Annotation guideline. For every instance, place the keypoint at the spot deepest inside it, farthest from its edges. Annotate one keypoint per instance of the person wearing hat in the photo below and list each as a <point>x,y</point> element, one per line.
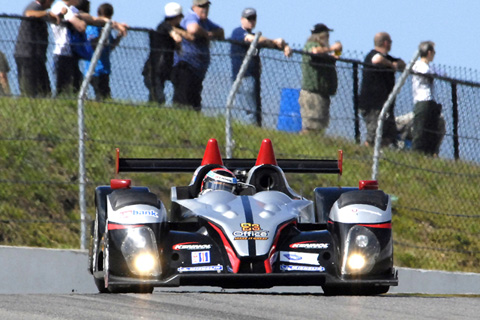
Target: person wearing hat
<point>163,43</point>
<point>191,63</point>
<point>319,79</point>
<point>378,81</point>
<point>248,97</point>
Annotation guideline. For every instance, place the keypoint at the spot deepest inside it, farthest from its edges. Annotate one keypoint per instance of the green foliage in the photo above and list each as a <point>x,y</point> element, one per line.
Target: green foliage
<point>39,174</point>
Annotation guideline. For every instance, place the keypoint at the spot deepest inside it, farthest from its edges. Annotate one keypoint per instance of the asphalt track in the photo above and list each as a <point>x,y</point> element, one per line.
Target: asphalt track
<point>235,304</point>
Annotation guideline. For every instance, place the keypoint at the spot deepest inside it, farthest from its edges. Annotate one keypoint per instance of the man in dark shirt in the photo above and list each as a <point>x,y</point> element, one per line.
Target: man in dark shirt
<point>248,97</point>
<point>163,43</point>
<point>378,81</point>
<point>31,49</point>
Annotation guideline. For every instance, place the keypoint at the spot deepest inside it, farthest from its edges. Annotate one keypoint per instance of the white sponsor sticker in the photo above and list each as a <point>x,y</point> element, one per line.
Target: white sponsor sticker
<point>200,257</point>
<point>191,246</point>
<point>309,245</point>
<point>217,268</point>
<point>284,267</point>
<point>299,257</point>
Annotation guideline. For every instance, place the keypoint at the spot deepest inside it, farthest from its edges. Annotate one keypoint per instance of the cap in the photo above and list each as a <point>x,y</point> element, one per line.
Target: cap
<point>200,2</point>
<point>173,9</point>
<point>320,27</point>
<point>249,12</point>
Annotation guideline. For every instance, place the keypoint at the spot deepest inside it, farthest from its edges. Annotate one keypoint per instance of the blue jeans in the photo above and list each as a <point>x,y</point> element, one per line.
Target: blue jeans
<point>245,101</point>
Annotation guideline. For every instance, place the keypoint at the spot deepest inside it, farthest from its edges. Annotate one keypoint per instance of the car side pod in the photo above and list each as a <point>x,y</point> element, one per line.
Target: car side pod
<point>361,222</point>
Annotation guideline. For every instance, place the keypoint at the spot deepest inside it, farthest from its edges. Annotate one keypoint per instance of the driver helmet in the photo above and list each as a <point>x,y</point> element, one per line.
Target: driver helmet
<point>219,179</point>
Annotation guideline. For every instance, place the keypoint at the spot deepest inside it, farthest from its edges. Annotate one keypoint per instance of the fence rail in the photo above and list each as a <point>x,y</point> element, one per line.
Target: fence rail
<point>436,221</point>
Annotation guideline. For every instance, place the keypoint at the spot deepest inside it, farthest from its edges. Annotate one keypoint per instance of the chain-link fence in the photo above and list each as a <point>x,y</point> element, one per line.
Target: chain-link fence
<point>435,220</point>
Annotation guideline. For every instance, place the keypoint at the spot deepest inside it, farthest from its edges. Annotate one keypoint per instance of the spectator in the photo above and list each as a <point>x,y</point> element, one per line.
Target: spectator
<point>427,121</point>
<point>4,69</point>
<point>191,65</point>
<point>66,63</point>
<point>31,49</point>
<point>378,82</point>
<point>248,97</point>
<point>101,77</point>
<point>319,79</point>
<point>163,43</point>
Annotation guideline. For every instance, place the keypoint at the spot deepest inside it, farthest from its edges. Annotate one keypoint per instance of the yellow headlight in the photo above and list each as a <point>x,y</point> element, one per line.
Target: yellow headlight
<point>145,262</point>
<point>356,262</point>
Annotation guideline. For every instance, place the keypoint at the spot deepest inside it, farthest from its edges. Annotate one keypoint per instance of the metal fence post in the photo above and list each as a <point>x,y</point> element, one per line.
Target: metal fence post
<point>81,134</point>
<point>383,113</point>
<point>456,152</point>
<point>355,103</point>
<point>233,92</point>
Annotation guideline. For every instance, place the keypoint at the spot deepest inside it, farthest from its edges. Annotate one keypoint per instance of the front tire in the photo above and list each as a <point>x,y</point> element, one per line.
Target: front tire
<point>355,290</point>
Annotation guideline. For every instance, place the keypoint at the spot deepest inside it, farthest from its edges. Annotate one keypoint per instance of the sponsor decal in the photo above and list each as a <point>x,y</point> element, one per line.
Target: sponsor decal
<point>300,257</point>
<point>250,231</point>
<point>291,256</point>
<point>191,246</point>
<point>217,268</point>
<point>200,257</point>
<point>284,267</point>
<point>143,213</point>
<point>309,245</point>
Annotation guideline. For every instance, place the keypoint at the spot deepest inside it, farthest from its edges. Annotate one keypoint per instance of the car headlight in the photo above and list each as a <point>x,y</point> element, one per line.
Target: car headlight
<point>140,250</point>
<point>356,262</point>
<point>144,263</point>
<point>362,249</point>
<point>361,240</point>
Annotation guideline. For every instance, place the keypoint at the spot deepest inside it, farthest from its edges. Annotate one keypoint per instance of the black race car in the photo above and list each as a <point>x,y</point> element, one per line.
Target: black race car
<point>238,224</point>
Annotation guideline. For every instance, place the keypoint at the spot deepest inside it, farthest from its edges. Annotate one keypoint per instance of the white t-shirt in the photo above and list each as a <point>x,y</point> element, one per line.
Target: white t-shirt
<point>422,87</point>
<point>60,31</point>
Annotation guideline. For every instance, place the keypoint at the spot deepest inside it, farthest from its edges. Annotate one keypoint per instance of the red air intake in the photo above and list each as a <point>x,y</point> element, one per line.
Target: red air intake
<point>266,154</point>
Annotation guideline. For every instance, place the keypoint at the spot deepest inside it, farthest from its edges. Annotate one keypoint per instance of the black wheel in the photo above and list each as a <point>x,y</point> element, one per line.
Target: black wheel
<point>131,289</point>
<point>357,290</point>
<point>100,283</point>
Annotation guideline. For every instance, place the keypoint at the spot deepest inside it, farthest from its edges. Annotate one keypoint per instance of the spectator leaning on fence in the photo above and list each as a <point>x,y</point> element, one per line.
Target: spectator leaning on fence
<point>101,77</point>
<point>248,96</point>
<point>319,79</point>
<point>191,64</point>
<point>378,81</point>
<point>427,122</point>
<point>4,69</point>
<point>163,43</point>
<point>31,49</point>
<point>66,63</point>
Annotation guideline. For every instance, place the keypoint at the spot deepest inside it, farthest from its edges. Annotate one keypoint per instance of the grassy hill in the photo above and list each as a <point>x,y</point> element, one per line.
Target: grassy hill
<point>39,174</point>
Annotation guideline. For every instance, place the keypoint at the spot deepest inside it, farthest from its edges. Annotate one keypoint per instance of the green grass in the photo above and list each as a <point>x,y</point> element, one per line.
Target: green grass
<point>39,174</point>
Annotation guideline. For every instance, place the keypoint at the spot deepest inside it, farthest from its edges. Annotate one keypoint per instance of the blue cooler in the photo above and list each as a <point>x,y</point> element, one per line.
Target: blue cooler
<point>289,119</point>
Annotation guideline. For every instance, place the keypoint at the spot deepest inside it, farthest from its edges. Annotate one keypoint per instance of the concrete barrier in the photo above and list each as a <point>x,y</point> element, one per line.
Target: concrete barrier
<point>37,270</point>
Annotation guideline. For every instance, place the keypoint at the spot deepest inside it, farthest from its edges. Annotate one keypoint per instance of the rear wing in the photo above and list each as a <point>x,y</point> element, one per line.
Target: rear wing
<point>191,164</point>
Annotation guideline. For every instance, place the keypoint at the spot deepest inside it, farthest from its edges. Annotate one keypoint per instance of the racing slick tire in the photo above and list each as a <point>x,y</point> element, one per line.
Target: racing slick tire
<point>131,289</point>
<point>358,290</point>
<point>100,283</point>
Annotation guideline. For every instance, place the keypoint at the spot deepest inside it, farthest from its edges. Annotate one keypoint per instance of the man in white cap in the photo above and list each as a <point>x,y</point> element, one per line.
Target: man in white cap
<point>163,43</point>
<point>191,64</point>
<point>248,97</point>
